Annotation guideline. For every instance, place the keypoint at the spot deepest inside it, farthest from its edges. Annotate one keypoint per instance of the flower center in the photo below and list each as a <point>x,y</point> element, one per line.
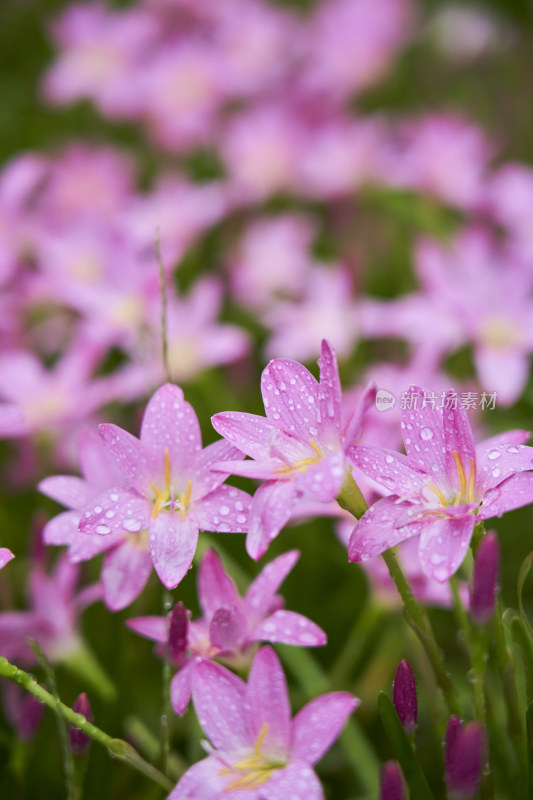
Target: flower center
<point>253,771</point>
<point>166,497</point>
<point>302,465</point>
<point>466,492</point>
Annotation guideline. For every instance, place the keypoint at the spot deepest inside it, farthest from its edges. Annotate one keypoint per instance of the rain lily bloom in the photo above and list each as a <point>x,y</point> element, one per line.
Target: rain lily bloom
<point>299,448</point>
<point>231,624</point>
<point>441,488</point>
<point>127,564</point>
<point>256,751</point>
<point>5,556</point>
<point>169,490</point>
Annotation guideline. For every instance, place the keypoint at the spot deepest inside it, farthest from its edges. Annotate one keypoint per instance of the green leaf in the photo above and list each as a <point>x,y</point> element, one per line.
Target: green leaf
<point>522,638</point>
<point>522,575</point>
<point>529,724</point>
<point>403,751</point>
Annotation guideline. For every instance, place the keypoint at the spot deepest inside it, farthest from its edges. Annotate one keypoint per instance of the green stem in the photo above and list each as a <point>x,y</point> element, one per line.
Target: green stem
<point>166,675</point>
<point>368,628</point>
<point>116,747</point>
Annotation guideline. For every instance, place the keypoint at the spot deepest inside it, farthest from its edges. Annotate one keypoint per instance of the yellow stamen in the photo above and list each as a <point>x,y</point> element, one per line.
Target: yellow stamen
<point>460,470</point>
<point>302,464</point>
<point>168,471</point>
<point>163,496</point>
<point>185,499</point>
<point>256,768</point>
<point>471,480</point>
<point>438,493</point>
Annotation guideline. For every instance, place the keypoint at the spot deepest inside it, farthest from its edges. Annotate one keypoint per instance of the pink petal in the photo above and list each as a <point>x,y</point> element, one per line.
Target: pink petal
<point>68,490</point>
<point>297,780</point>
<point>227,629</point>
<point>515,492</point>
<point>324,480</point>
<point>444,544</point>
<point>219,701</point>
<point>172,544</point>
<point>261,592</point>
<point>504,371</point>
<point>201,474</point>
<point>329,396</point>
<point>5,556</point>
<point>457,438</point>
<point>319,724</point>
<point>181,686</point>
<point>288,627</point>
<point>375,531</point>
<point>85,546</point>
<point>61,530</point>
<point>124,574</point>
<point>12,421</point>
<point>354,427</point>
<point>422,428</point>
<point>128,453</point>
<point>97,463</point>
<point>249,469</point>
<point>497,462</point>
<point>154,628</point>
<point>116,511</point>
<point>215,587</point>
<point>290,395</point>
<point>225,510</point>
<point>395,472</point>
<point>271,509</point>
<point>203,781</point>
<point>515,436</point>
<point>170,422</point>
<point>267,701</point>
<point>250,433</point>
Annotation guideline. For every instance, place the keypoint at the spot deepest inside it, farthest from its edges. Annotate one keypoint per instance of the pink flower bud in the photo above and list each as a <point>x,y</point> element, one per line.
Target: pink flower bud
<point>486,566</point>
<point>391,782</point>
<point>79,740</point>
<point>464,755</point>
<point>178,625</point>
<point>404,695</point>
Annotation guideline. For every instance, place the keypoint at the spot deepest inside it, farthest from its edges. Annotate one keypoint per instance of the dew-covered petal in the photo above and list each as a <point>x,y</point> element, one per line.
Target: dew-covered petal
<point>297,781</point>
<point>288,627</point>
<point>225,510</point>
<point>171,423</point>
<point>227,628</point>
<point>376,532</point>
<point>457,439</point>
<point>61,529</point>
<point>319,724</point>
<point>271,509</point>
<point>258,470</point>
<point>497,462</point>
<point>129,454</point>
<point>444,544</point>
<point>215,587</point>
<point>219,701</point>
<point>423,435</point>
<point>125,572</point>
<point>181,686</point>
<point>5,556</point>
<point>116,511</point>
<point>515,492</point>
<point>260,596</point>
<point>204,781</point>
<point>154,628</point>
<point>97,463</point>
<point>250,433</point>
<point>203,478</point>
<point>85,546</point>
<point>515,436</point>
<point>290,395</point>
<point>172,544</point>
<point>504,371</point>
<point>329,396</point>
<point>323,481</point>
<point>267,701</point>
<point>68,490</point>
<point>354,428</point>
<point>397,473</point>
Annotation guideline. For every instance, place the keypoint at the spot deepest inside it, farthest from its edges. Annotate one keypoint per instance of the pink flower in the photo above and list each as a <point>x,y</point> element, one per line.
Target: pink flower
<point>169,490</point>
<point>5,556</point>
<point>256,751</point>
<point>298,448</point>
<point>441,488</point>
<point>231,624</point>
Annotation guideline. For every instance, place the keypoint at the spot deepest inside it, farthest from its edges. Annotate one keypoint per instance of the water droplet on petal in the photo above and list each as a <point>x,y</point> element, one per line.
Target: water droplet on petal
<point>513,449</point>
<point>493,455</point>
<point>386,480</point>
<point>103,529</point>
<point>426,434</point>
<point>389,459</point>
<point>131,525</point>
<point>496,472</point>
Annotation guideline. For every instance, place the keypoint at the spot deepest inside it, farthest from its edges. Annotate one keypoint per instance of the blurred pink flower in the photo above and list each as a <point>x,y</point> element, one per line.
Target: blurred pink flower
<point>5,556</point>
<point>254,745</point>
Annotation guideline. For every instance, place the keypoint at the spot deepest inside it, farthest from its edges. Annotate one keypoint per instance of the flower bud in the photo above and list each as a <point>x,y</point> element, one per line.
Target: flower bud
<point>391,782</point>
<point>486,566</point>
<point>178,624</point>
<point>79,740</point>
<point>464,755</point>
<point>404,695</point>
